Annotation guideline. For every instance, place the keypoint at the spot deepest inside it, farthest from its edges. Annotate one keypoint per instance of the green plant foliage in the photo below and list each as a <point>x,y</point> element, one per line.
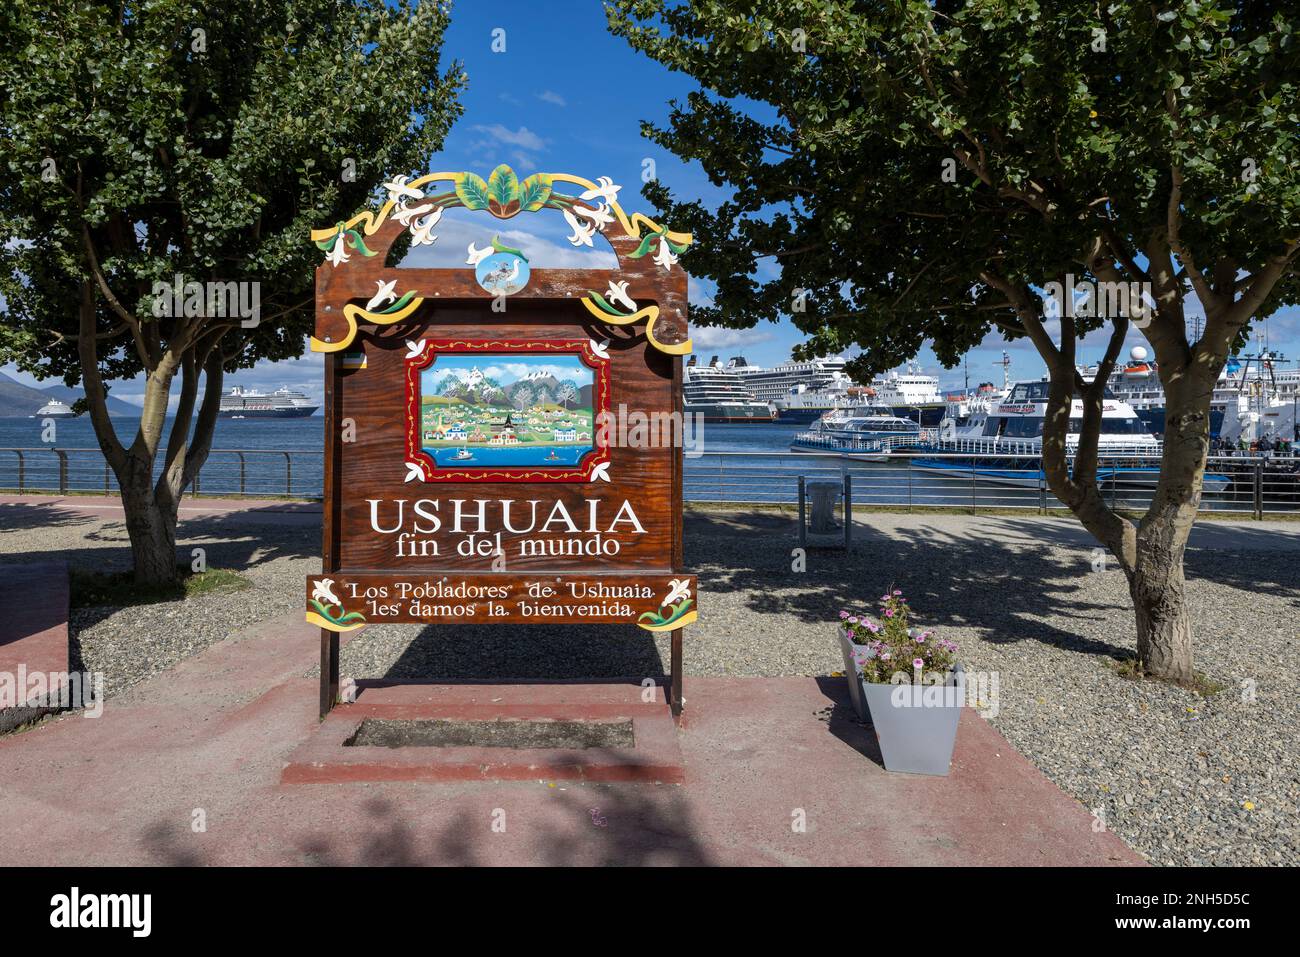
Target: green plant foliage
<point>835,182</point>
<point>890,650</point>
<point>212,155</point>
<point>142,142</point>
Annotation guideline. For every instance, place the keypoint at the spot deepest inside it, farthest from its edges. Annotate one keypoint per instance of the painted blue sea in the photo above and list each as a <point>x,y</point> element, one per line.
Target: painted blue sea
<point>538,456</point>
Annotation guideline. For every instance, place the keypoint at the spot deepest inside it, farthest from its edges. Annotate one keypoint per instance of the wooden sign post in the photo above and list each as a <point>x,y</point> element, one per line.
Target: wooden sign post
<point>502,444</point>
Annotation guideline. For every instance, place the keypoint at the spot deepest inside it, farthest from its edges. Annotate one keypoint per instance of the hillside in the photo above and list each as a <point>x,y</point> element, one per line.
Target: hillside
<point>20,401</point>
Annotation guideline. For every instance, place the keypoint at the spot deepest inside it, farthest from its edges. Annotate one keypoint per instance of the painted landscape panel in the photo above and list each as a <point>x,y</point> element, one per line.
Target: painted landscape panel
<point>507,410</point>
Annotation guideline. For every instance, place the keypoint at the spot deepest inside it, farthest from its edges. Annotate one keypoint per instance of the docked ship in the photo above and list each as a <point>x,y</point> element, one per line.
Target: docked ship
<point>54,409</point>
<point>717,394</point>
<point>910,394</point>
<point>799,390</point>
<point>860,433</point>
<point>1253,397</point>
<point>1001,441</point>
<point>283,403</point>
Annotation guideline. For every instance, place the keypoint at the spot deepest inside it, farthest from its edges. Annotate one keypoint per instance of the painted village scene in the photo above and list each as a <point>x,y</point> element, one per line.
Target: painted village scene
<point>507,410</point>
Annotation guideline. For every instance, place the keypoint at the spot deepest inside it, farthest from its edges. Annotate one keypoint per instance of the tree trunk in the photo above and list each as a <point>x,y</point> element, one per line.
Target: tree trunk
<point>1156,583</point>
<point>1164,629</point>
<point>151,526</point>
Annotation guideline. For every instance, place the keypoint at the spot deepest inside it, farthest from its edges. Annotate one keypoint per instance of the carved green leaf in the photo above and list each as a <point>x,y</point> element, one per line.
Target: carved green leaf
<point>534,192</point>
<point>644,246</point>
<point>599,300</point>
<point>503,185</point>
<point>503,248</point>
<point>471,190</point>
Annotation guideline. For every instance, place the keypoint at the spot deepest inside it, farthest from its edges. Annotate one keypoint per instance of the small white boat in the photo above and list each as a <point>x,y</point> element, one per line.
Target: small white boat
<point>870,434</point>
<point>54,409</point>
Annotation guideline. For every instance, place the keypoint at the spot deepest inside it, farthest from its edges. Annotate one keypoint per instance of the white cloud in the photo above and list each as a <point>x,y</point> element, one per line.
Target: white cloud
<point>550,96</point>
<point>522,137</point>
<point>715,337</point>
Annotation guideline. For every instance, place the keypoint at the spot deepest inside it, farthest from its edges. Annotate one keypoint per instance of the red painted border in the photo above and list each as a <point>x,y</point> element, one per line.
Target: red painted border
<point>432,348</point>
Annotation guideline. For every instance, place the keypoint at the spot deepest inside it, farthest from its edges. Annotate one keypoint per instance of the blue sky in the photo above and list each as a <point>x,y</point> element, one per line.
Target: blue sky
<point>566,96</point>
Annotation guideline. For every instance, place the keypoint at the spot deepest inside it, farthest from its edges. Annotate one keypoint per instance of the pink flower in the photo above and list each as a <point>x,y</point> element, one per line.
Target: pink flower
<point>853,621</point>
<point>897,592</point>
<point>920,639</point>
<point>918,663</point>
<point>889,613</point>
<point>843,615</point>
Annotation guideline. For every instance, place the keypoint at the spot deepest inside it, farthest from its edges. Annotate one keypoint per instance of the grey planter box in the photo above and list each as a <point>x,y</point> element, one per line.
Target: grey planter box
<point>916,732</point>
<point>853,676</point>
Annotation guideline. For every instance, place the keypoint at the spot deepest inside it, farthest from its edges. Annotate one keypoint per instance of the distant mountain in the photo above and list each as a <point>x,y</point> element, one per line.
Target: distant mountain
<point>19,401</point>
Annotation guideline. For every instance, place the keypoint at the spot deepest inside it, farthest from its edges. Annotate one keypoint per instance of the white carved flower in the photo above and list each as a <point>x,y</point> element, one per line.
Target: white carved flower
<point>678,588</point>
<point>404,214</point>
<point>339,254</point>
<point>384,296</point>
<point>665,257</point>
<point>582,232</point>
<point>322,592</point>
<point>600,216</point>
<point>606,190</point>
<point>476,256</point>
<point>422,229</point>
<point>617,293</point>
<point>398,190</point>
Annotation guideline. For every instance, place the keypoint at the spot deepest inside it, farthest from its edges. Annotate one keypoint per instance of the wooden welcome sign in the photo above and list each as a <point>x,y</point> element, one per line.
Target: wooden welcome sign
<point>478,467</point>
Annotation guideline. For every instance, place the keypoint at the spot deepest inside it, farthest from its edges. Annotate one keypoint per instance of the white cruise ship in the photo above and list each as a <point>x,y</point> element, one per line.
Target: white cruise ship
<point>799,390</point>
<point>283,403</point>
<point>717,394</point>
<point>910,395</point>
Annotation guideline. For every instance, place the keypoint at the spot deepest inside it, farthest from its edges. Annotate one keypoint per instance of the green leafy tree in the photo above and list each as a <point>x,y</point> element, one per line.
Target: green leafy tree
<point>143,142</point>
<point>913,171</point>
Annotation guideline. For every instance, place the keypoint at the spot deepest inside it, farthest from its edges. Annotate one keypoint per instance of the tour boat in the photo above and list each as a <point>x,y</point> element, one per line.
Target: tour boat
<point>865,433</point>
<point>1001,441</point>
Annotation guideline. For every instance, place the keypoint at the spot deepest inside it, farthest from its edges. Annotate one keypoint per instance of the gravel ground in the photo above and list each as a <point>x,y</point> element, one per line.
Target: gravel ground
<point>129,644</point>
<point>1183,779</point>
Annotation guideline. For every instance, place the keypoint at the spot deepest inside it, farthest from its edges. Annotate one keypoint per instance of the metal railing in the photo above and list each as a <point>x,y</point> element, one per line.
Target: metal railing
<point>234,472</point>
<point>1247,484</point>
<point>1251,485</point>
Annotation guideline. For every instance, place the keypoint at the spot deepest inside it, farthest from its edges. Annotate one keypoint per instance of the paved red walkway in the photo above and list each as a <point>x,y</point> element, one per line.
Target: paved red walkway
<point>33,633</point>
<point>207,741</point>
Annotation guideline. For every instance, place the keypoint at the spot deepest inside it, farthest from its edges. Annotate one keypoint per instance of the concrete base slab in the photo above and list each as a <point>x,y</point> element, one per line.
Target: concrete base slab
<point>780,772</point>
<point>326,757</point>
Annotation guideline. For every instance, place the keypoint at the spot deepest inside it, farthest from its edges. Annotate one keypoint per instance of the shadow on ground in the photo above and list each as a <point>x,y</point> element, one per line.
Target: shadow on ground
<point>591,825</point>
<point>533,652</point>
